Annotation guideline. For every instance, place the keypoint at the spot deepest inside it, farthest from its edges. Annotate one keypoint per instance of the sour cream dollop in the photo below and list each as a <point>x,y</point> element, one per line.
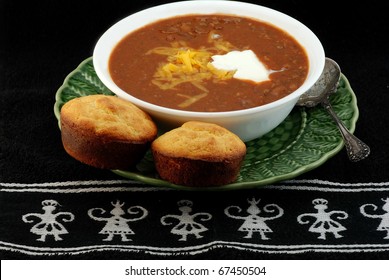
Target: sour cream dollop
<point>246,64</point>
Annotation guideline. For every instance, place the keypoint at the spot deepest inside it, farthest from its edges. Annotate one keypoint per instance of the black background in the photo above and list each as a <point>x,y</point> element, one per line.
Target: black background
<point>43,41</point>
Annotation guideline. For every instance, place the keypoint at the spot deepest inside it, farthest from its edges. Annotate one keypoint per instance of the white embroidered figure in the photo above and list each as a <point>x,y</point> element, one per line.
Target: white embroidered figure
<point>254,222</point>
<point>116,224</point>
<point>49,224</point>
<point>186,221</point>
<point>324,223</point>
<point>384,225</point>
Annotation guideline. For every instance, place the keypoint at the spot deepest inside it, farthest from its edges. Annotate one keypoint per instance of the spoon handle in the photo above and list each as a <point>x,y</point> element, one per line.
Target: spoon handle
<point>356,149</point>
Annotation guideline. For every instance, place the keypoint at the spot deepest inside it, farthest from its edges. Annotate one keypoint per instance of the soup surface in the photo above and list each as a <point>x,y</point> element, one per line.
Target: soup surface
<point>172,63</point>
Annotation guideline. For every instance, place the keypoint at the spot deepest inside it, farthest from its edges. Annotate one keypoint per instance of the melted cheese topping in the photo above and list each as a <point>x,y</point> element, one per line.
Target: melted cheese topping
<point>187,65</point>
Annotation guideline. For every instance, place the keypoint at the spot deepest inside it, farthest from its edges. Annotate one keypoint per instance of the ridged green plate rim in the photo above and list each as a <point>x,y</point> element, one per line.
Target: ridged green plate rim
<point>305,140</point>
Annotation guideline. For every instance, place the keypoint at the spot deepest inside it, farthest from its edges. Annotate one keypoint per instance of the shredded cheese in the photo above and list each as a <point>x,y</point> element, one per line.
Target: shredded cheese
<point>187,65</point>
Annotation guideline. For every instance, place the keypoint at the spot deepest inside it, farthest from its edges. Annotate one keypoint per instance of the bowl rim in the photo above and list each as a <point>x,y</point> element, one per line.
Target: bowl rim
<point>115,33</point>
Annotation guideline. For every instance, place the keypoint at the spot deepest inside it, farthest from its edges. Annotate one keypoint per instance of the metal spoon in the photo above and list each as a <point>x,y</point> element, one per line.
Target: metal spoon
<point>319,93</point>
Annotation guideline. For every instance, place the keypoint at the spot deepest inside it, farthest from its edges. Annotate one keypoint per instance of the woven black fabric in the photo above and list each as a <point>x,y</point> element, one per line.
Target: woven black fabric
<point>44,41</point>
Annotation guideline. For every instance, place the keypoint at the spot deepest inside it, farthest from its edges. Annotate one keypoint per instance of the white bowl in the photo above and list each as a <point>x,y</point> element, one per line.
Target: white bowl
<point>248,124</point>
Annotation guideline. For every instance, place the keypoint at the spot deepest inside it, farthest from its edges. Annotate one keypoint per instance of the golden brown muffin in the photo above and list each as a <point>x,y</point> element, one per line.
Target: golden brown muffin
<point>106,131</point>
<point>198,154</point>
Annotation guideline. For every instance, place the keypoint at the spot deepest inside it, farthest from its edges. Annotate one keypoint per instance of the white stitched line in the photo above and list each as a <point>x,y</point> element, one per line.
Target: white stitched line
<point>74,186</point>
<point>117,182</point>
<point>325,189</point>
<point>86,190</point>
<point>71,183</point>
<point>291,249</point>
<point>324,182</point>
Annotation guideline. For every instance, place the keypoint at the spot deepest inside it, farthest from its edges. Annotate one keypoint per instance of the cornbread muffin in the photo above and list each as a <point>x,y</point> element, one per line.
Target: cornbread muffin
<point>198,154</point>
<point>106,131</point>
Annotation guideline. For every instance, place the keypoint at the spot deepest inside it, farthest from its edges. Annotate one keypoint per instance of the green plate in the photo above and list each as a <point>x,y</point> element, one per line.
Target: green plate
<point>303,141</point>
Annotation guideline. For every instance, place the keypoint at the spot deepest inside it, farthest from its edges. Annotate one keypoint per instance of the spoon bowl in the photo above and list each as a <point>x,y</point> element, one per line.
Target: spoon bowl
<point>326,85</point>
<point>319,93</point>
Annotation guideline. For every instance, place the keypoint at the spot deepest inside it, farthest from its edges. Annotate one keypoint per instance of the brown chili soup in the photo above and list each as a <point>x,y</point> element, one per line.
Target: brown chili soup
<point>169,63</point>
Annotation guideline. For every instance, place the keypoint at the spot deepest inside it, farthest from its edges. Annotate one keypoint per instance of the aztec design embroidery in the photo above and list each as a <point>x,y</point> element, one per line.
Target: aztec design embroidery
<point>384,224</point>
<point>254,222</point>
<point>323,223</point>
<point>48,225</point>
<point>54,223</point>
<point>186,221</point>
<point>117,224</point>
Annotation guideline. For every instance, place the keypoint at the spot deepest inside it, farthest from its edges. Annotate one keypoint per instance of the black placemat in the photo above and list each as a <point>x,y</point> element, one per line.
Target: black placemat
<point>117,217</point>
<point>338,210</point>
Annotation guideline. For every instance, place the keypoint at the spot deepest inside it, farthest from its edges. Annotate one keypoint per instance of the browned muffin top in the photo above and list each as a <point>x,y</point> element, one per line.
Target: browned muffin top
<point>200,141</point>
<point>111,117</point>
